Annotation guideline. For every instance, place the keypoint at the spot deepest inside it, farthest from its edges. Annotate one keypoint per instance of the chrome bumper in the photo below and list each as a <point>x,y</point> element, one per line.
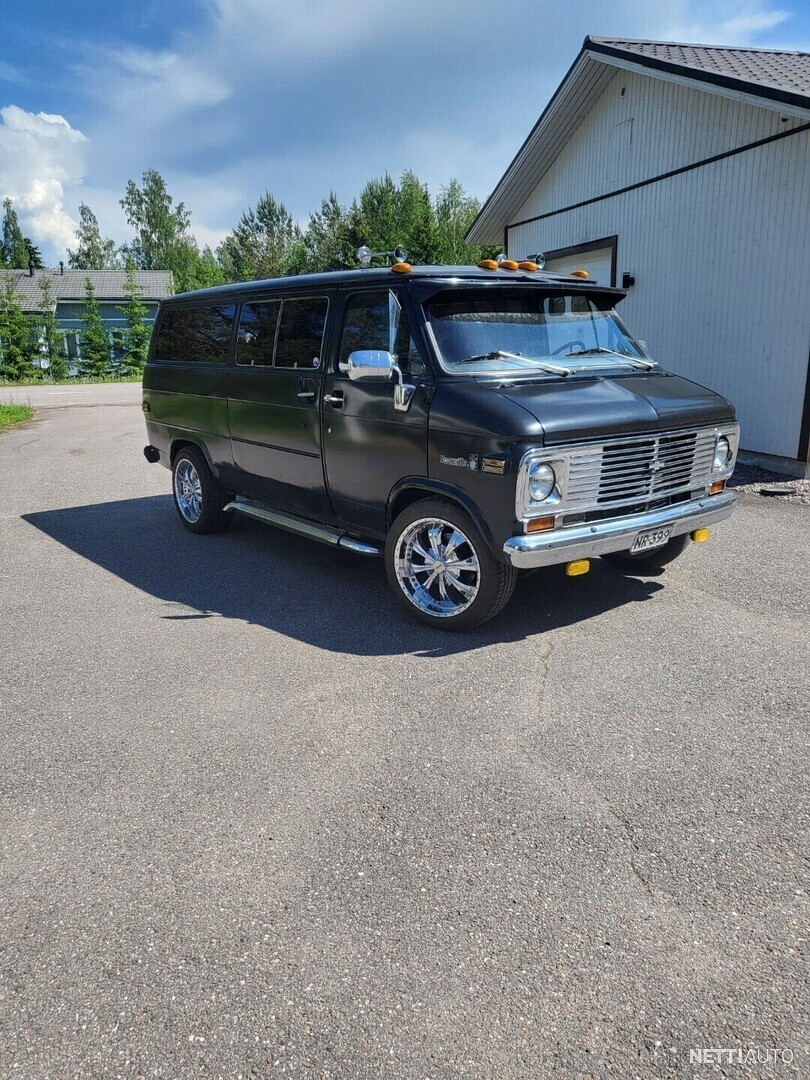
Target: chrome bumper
<point>600,537</point>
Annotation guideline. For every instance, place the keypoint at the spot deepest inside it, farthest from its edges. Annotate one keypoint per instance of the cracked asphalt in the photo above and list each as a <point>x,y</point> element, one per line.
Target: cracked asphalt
<point>254,824</point>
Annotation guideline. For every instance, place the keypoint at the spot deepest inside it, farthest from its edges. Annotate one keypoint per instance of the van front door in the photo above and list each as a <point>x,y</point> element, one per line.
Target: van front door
<point>368,444</point>
<point>273,402</point>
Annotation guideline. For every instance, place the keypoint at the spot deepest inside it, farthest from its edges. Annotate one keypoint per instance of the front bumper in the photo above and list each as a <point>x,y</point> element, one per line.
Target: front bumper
<point>601,537</point>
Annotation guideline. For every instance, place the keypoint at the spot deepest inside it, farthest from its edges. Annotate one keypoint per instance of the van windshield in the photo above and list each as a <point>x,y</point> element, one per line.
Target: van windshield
<point>503,330</point>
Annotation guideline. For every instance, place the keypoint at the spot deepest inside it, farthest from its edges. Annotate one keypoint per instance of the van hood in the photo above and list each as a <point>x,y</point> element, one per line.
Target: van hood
<point>575,408</point>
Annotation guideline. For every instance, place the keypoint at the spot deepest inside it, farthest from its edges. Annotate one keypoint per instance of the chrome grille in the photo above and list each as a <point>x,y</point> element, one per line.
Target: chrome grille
<point>641,469</point>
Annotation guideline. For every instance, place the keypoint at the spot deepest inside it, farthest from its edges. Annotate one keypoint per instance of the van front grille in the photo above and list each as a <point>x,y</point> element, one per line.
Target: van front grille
<point>639,470</point>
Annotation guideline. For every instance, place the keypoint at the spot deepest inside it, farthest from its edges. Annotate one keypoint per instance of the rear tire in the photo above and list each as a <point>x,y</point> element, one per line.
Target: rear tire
<point>198,496</point>
<point>441,569</point>
<point>645,561</point>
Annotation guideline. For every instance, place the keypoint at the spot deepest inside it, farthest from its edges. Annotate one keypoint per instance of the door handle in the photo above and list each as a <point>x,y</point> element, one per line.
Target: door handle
<point>335,399</point>
<point>306,395</point>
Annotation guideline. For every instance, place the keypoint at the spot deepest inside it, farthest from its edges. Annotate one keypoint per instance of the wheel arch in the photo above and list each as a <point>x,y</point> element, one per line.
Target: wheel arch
<point>413,488</point>
<point>180,441</point>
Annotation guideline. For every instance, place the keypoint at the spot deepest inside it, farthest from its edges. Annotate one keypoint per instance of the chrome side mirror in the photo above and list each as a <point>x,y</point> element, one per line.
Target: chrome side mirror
<point>370,364</point>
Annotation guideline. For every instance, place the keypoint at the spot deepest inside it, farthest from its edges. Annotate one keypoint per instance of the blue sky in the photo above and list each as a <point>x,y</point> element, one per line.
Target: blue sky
<point>229,97</point>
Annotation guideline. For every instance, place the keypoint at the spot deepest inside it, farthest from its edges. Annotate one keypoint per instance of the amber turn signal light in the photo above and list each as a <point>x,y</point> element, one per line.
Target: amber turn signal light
<point>541,524</point>
<point>577,567</point>
<point>716,487</point>
<point>700,536</point>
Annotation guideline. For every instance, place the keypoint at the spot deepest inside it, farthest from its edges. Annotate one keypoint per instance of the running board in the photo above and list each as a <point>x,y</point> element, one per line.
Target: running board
<point>322,533</point>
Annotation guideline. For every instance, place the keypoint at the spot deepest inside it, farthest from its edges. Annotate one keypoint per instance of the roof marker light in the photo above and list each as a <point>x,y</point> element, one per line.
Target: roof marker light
<point>507,264</point>
<point>488,264</point>
<point>401,267</point>
<point>527,264</point>
<point>580,273</point>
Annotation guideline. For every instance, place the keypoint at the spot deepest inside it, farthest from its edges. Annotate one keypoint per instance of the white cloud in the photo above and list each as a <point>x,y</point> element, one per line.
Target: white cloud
<point>40,155</point>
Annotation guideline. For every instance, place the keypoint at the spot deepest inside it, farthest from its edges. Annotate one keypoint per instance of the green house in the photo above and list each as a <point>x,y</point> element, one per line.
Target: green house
<point>68,292</point>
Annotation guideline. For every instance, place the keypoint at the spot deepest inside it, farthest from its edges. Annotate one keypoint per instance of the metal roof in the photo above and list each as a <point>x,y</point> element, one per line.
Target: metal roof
<point>773,78</point>
<point>70,285</point>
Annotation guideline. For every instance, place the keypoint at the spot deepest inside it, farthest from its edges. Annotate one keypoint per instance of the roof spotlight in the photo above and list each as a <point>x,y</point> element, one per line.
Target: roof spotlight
<point>400,254</point>
<point>500,258</point>
<point>364,256</point>
<point>540,259</point>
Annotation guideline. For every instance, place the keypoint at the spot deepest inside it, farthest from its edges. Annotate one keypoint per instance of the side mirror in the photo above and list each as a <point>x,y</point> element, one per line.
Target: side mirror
<point>370,364</point>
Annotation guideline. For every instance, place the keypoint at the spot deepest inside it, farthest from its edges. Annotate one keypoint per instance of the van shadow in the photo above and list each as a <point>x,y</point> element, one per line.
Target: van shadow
<point>305,590</point>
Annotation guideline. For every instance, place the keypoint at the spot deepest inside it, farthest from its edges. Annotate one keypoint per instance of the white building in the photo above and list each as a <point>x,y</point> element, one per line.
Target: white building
<point>683,173</point>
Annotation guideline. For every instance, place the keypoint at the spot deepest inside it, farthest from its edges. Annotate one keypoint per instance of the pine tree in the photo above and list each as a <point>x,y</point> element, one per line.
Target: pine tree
<point>455,213</point>
<point>53,341</point>
<point>375,215</point>
<point>34,254</point>
<point>15,250</point>
<point>138,330</point>
<point>96,359</point>
<point>93,251</point>
<point>262,243</point>
<point>327,243</point>
<point>17,347</point>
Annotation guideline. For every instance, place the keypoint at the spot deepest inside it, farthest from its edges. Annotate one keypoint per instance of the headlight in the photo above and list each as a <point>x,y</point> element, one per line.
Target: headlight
<point>541,481</point>
<point>722,454</point>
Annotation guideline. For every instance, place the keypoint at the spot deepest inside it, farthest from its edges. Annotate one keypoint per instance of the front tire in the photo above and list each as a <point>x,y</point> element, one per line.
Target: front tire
<point>198,497</point>
<point>441,569</point>
<point>645,561</point>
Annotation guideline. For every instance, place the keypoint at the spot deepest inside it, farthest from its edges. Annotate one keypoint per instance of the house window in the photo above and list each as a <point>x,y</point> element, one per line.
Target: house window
<point>72,349</point>
<point>116,339</point>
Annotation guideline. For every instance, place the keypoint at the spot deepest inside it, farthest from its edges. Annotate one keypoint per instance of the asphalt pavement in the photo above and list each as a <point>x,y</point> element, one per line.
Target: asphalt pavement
<point>254,823</point>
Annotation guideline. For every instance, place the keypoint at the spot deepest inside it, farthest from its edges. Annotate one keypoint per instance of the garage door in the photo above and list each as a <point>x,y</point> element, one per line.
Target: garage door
<point>597,262</point>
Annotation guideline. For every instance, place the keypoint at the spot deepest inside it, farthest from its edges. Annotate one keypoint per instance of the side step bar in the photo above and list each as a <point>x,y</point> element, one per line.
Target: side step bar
<point>322,533</point>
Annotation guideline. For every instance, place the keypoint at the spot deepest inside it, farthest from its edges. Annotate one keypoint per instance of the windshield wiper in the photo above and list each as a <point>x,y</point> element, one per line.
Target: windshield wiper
<point>499,354</point>
<point>600,349</point>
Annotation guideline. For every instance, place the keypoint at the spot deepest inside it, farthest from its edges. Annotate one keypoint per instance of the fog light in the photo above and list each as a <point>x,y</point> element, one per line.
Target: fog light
<point>577,567</point>
<point>541,524</point>
<point>700,536</point>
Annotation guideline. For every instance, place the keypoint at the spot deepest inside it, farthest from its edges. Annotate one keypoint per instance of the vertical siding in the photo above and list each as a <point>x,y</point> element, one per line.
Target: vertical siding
<point>654,127</point>
<point>721,257</point>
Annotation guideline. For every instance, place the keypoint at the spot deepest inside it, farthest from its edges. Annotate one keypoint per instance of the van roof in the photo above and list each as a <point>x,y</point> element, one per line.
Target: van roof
<point>386,275</point>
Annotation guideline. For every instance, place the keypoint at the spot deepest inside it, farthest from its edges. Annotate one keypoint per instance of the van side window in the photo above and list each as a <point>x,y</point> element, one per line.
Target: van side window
<point>300,334</point>
<point>257,334</point>
<point>198,334</point>
<point>365,326</point>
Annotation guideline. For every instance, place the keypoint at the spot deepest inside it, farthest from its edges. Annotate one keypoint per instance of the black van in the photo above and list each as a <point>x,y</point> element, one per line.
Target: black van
<point>463,422</point>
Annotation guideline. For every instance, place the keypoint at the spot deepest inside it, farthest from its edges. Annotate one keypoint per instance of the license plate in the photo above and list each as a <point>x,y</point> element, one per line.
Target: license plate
<point>652,539</point>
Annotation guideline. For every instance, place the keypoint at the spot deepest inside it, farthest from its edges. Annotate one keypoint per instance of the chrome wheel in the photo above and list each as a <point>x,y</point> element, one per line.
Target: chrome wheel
<point>437,567</point>
<point>188,490</point>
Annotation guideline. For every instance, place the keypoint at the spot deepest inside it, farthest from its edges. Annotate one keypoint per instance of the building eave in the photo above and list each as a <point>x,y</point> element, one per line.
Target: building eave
<point>592,69</point>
